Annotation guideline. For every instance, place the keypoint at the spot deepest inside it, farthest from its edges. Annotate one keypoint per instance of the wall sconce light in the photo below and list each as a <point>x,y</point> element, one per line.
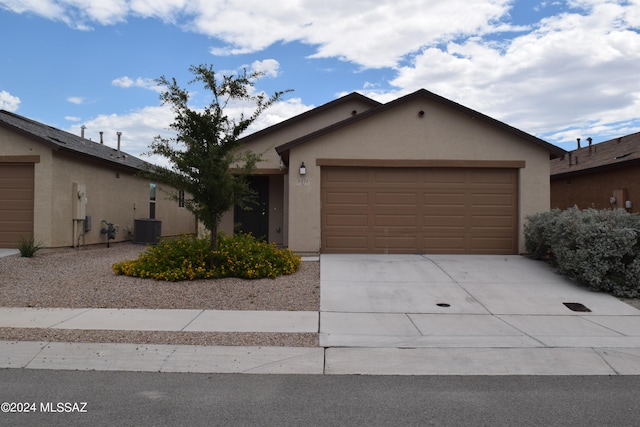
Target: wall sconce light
<point>613,200</point>
<point>303,169</point>
<point>628,204</point>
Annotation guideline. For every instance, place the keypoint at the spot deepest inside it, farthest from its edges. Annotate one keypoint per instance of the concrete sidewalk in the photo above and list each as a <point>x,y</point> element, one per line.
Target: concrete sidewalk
<point>380,315</point>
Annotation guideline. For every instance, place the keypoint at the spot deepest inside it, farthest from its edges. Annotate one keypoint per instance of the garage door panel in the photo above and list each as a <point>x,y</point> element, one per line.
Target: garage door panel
<point>395,199</point>
<point>444,221</point>
<point>492,176</point>
<point>346,220</point>
<point>16,203</point>
<point>444,198</point>
<point>347,198</point>
<point>9,194</point>
<point>422,210</point>
<point>440,177</point>
<point>346,243</point>
<point>344,176</point>
<point>395,220</point>
<point>404,176</point>
<point>492,200</point>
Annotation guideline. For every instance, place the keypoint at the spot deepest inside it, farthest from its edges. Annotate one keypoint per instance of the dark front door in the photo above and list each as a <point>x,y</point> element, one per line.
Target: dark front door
<point>256,219</point>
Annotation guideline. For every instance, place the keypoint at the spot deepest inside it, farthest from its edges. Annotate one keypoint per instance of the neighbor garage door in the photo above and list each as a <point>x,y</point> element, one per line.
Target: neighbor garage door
<point>16,203</point>
<point>419,210</point>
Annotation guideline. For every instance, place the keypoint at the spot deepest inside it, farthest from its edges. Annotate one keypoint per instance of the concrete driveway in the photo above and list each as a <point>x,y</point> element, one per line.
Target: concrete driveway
<point>452,306</point>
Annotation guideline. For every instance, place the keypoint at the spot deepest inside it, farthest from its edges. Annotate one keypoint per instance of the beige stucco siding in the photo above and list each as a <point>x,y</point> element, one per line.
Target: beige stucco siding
<point>266,143</point>
<point>401,134</point>
<point>113,193</point>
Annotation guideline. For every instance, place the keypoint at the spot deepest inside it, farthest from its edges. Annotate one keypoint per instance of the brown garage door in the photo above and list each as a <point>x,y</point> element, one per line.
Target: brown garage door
<point>419,210</point>
<point>16,203</point>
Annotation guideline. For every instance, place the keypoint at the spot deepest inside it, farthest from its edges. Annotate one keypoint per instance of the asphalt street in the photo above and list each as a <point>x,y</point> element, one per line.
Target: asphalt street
<point>94,398</point>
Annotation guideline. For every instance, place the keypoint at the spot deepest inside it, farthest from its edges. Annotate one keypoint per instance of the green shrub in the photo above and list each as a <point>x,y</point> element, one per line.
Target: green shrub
<point>28,246</point>
<point>599,248</point>
<point>537,233</point>
<point>186,258</point>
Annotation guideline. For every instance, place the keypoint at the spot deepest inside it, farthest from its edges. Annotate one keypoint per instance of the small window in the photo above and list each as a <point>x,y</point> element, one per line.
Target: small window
<point>152,201</point>
<point>181,198</point>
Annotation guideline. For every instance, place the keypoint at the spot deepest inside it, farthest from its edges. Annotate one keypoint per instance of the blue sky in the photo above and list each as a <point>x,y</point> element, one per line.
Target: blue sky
<point>556,69</point>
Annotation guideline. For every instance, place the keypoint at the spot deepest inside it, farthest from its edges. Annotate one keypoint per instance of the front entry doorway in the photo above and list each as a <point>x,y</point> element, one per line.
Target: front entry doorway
<point>256,219</point>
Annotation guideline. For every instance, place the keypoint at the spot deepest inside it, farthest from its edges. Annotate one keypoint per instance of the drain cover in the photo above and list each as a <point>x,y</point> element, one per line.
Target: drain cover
<point>443,304</point>
<point>576,306</point>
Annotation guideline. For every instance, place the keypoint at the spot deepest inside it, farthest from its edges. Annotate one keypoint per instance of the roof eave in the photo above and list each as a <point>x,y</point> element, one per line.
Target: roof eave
<point>309,113</point>
<point>554,151</point>
<point>599,168</point>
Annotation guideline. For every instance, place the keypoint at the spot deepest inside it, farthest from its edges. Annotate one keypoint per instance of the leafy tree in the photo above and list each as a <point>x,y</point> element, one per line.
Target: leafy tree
<point>205,157</point>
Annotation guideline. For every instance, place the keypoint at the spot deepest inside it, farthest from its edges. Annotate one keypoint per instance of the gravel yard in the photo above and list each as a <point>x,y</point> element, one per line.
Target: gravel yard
<point>82,278</point>
<point>79,278</point>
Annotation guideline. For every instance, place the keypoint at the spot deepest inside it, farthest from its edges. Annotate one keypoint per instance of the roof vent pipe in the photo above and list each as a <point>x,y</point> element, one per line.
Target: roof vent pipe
<point>578,143</point>
<point>82,128</point>
<point>101,139</point>
<point>590,141</point>
<point>119,135</point>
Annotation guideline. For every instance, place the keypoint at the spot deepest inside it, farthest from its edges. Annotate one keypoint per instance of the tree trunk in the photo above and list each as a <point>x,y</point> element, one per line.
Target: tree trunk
<point>214,244</point>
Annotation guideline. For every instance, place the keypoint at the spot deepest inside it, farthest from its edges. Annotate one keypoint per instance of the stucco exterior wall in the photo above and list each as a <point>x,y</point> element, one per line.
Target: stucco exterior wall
<point>267,142</point>
<point>113,194</point>
<point>401,134</point>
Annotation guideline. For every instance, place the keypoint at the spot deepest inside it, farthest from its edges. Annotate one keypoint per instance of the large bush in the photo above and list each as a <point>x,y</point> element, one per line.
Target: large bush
<point>600,248</point>
<point>186,258</point>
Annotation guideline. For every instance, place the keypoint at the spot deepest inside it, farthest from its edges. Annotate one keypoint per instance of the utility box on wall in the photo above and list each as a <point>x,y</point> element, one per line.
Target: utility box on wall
<point>79,201</point>
<point>147,230</point>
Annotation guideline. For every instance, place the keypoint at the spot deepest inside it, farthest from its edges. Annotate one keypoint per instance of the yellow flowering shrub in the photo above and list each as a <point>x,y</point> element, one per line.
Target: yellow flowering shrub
<point>186,258</point>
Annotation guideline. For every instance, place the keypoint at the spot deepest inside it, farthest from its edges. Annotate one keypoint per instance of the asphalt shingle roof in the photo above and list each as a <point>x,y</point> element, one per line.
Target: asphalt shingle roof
<point>614,152</point>
<point>60,140</point>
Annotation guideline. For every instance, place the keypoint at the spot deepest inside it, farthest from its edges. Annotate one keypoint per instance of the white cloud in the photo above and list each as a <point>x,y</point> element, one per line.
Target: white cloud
<point>125,81</point>
<point>140,127</point>
<point>8,102</point>
<point>269,67</point>
<point>72,118</point>
<point>146,83</point>
<point>75,100</point>
<point>368,32</point>
<point>77,14</point>
<point>574,70</point>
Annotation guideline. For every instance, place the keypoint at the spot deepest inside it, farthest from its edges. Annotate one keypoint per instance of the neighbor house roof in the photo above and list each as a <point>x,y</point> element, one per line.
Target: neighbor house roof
<point>622,151</point>
<point>283,150</point>
<point>57,139</point>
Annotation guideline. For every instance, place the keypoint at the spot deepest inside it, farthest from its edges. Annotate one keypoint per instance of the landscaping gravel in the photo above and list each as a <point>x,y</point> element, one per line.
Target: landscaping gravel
<point>83,278</point>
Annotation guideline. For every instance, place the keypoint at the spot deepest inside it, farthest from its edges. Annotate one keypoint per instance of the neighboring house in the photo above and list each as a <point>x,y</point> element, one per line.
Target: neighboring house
<point>58,188</point>
<point>601,176</point>
<point>420,174</point>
